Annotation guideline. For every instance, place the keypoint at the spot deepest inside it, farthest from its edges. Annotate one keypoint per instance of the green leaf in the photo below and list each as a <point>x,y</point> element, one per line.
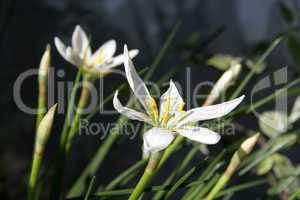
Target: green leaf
<point>265,166</point>
<point>220,61</point>
<point>282,185</point>
<point>91,184</point>
<point>273,123</point>
<point>287,13</point>
<point>258,68</point>
<point>261,59</point>
<point>283,166</point>
<point>273,146</point>
<point>135,167</point>
<point>180,182</point>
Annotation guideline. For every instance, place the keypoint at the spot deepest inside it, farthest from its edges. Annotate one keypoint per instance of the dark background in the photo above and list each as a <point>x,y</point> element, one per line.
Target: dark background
<point>27,26</point>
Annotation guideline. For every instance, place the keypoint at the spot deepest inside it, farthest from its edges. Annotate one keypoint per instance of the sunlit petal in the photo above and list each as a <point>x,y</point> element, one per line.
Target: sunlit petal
<point>210,112</point>
<point>80,41</point>
<point>73,57</point>
<point>130,113</point>
<point>157,139</point>
<point>61,48</point>
<point>137,85</point>
<point>175,100</point>
<point>116,61</point>
<point>104,53</point>
<point>199,134</point>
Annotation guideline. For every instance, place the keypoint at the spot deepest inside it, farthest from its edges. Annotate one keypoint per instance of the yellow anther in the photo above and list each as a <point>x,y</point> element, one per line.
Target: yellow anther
<point>100,58</point>
<point>166,115</point>
<point>153,109</point>
<point>181,106</point>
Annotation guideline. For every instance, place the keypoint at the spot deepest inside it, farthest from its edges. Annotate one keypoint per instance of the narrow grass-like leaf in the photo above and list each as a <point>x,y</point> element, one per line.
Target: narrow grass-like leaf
<point>177,171</point>
<point>214,165</point>
<point>201,192</point>
<point>295,195</point>
<point>179,182</point>
<point>126,192</point>
<point>253,70</point>
<point>114,183</point>
<point>241,187</point>
<point>91,185</point>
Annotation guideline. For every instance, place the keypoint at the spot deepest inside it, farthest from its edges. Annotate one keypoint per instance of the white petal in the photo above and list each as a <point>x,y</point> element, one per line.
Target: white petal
<point>175,100</point>
<point>210,112</point>
<point>130,113</point>
<point>60,47</point>
<point>199,134</point>
<point>295,113</point>
<point>116,61</point>
<point>80,40</point>
<point>157,139</point>
<point>137,85</point>
<point>104,53</point>
<point>73,57</point>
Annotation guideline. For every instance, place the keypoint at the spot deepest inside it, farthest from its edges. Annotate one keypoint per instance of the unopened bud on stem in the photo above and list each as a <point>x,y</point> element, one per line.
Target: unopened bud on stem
<point>43,79</point>
<point>224,81</point>
<point>44,130</point>
<point>45,62</point>
<point>42,136</point>
<point>244,150</point>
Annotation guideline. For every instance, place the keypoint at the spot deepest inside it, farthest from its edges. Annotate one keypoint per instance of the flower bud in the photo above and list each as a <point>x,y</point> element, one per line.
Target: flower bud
<point>44,130</point>
<point>224,81</point>
<point>45,62</point>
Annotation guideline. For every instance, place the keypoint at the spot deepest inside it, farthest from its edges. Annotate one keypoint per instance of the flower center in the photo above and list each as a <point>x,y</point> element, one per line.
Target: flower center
<point>100,58</point>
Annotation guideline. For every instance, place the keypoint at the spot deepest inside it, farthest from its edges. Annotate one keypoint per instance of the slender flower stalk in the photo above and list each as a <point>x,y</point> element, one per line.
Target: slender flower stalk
<point>65,146</point>
<point>168,120</point>
<point>43,83</point>
<point>147,176</point>
<point>244,150</point>
<point>83,101</point>
<point>42,136</point>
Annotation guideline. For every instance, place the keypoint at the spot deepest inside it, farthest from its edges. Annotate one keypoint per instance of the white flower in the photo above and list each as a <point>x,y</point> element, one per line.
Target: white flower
<point>79,54</point>
<point>170,119</point>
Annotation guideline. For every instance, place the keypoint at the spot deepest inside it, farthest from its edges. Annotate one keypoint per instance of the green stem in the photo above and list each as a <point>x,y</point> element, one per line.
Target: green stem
<point>177,171</point>
<point>253,70</point>
<point>97,160</point>
<point>84,97</point>
<point>42,99</point>
<point>168,152</point>
<point>36,165</point>
<point>295,195</point>
<point>67,137</point>
<point>67,121</point>
<point>125,174</point>
<point>218,187</point>
<point>147,177</point>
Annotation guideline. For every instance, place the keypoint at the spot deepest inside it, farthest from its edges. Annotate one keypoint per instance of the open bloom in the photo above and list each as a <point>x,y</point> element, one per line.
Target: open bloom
<point>170,119</point>
<point>80,54</point>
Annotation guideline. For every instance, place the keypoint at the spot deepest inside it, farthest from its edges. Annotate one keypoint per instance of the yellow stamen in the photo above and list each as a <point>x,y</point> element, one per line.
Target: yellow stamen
<point>153,109</point>
<point>166,115</point>
<point>181,106</point>
<point>100,57</point>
